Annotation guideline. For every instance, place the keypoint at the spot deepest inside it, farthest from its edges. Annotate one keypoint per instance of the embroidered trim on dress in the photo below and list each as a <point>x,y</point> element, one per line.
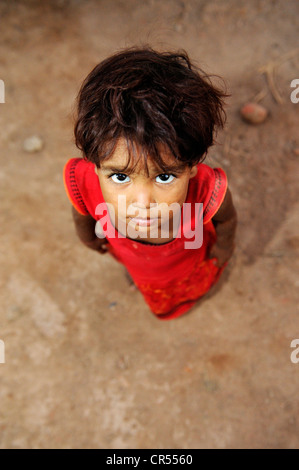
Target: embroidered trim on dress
<point>214,202</point>
<point>71,183</point>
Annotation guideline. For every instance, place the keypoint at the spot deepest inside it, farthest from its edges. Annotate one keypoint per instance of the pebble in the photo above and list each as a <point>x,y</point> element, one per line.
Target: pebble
<point>178,27</point>
<point>254,113</point>
<point>33,144</point>
<point>112,304</point>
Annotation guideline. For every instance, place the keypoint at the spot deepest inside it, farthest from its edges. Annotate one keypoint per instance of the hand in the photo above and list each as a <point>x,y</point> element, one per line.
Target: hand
<point>221,253</point>
<point>98,244</point>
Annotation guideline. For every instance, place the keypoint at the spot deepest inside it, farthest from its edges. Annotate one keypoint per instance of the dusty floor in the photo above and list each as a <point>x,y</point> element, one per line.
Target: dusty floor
<point>87,365</point>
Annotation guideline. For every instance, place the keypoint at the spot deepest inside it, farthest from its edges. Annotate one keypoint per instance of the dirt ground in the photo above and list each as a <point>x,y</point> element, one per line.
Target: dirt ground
<point>86,363</point>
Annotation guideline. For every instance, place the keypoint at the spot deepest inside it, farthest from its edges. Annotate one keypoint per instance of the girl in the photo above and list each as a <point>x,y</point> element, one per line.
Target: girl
<point>145,122</point>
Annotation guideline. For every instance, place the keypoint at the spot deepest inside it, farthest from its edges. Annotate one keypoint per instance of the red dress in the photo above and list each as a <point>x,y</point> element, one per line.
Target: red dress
<point>170,276</point>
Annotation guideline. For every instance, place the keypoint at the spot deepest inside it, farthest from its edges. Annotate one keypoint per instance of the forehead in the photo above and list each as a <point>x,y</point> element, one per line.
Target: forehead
<point>134,161</point>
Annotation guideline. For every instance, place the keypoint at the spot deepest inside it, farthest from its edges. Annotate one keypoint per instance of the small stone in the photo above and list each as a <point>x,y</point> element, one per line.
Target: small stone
<point>33,144</point>
<point>122,363</point>
<point>178,27</point>
<point>254,113</point>
<point>296,151</point>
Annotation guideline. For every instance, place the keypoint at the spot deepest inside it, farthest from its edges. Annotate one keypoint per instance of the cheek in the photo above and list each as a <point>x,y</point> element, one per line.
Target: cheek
<point>184,191</point>
<point>174,199</point>
<point>108,193</point>
<point>176,194</point>
<point>118,201</point>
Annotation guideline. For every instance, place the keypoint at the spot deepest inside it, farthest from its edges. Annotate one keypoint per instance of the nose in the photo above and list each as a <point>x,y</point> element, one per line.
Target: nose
<point>143,198</point>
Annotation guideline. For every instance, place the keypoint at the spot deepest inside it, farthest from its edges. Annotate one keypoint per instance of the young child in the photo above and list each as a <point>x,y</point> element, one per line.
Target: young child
<point>145,122</point>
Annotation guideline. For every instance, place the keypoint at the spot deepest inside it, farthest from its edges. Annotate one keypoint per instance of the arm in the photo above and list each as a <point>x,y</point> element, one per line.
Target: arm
<point>225,222</point>
<point>85,228</point>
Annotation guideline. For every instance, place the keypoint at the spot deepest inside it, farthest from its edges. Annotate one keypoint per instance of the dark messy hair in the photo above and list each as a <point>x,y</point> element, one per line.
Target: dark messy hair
<point>150,99</point>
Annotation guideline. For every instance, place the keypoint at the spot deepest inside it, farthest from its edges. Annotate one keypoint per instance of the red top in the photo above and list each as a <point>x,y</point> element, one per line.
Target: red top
<point>171,276</point>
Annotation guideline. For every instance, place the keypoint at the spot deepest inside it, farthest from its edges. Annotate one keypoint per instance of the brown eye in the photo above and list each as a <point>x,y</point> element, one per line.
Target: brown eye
<point>165,178</point>
<point>119,178</point>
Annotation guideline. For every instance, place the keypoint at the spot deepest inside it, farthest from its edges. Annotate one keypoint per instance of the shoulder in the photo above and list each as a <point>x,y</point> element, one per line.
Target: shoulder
<point>209,175</point>
<point>80,182</point>
<point>209,188</point>
<point>78,167</point>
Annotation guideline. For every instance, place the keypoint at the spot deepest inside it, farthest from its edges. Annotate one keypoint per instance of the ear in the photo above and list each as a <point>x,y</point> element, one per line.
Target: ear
<point>193,171</point>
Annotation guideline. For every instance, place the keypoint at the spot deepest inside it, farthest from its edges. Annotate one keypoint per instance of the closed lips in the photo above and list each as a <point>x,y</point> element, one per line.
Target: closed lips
<point>140,221</point>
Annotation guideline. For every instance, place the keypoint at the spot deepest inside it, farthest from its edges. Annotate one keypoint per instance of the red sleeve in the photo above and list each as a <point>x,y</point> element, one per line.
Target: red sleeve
<point>71,186</point>
<point>218,189</point>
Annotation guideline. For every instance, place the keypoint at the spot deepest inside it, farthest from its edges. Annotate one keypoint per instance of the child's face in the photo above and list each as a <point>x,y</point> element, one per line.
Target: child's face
<point>146,197</point>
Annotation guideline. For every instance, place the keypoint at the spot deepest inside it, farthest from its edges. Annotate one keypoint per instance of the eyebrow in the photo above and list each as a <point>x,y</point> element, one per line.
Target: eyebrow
<point>168,168</point>
<point>115,169</point>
